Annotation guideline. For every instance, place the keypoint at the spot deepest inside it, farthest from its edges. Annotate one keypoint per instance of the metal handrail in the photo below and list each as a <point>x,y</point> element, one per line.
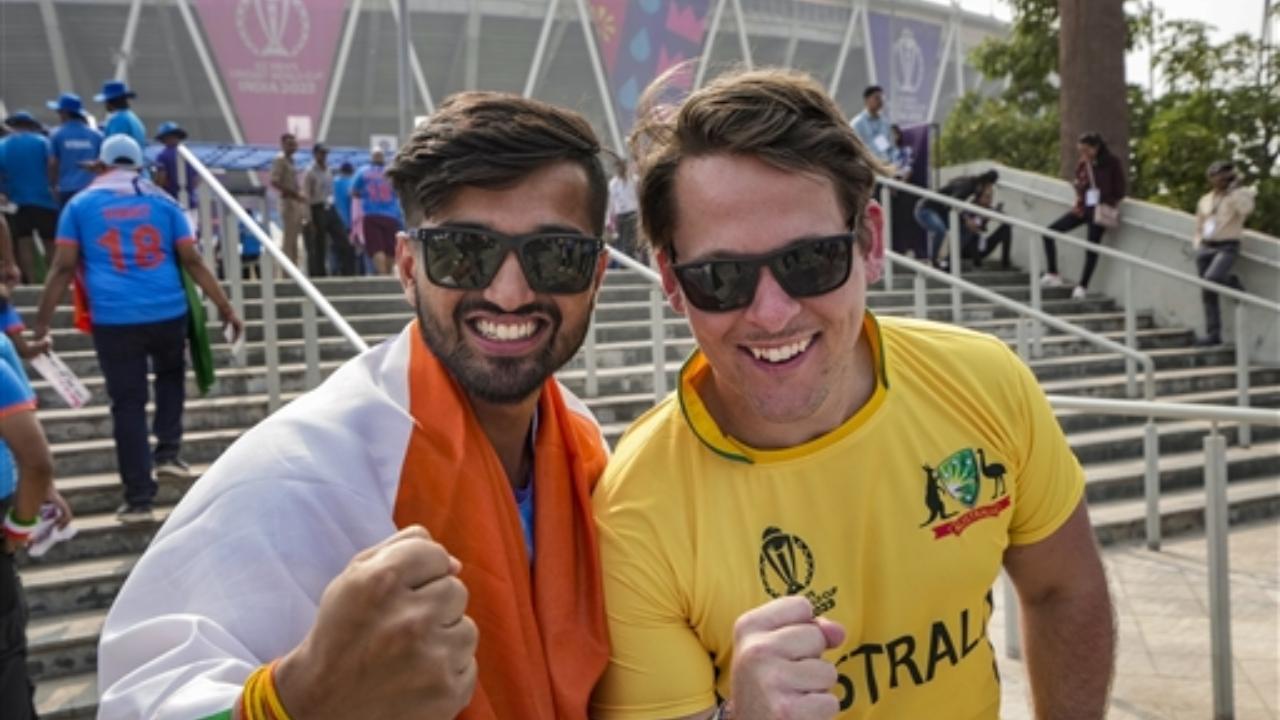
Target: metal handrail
<point>268,245</point>
<point>1251,256</point>
<point>1216,510</point>
<point>1166,410</point>
<point>210,190</point>
<point>1120,255</point>
<point>657,328</point>
<point>922,269</point>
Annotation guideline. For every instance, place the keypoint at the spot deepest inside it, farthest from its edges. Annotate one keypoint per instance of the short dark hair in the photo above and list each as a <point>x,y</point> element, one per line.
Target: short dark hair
<point>287,136</point>
<point>990,177</point>
<point>782,117</point>
<point>493,140</point>
<point>871,90</point>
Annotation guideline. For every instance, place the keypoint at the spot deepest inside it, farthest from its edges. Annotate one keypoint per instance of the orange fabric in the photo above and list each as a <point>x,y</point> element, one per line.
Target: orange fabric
<point>543,642</point>
<point>80,316</point>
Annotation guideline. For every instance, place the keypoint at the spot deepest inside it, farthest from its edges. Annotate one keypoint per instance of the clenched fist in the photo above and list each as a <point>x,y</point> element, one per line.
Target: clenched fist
<point>391,638</point>
<point>778,671</point>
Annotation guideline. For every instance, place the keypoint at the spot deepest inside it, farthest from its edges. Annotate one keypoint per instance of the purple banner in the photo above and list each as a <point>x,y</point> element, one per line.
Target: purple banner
<point>641,39</point>
<point>908,236</point>
<point>907,55</point>
<point>274,57</point>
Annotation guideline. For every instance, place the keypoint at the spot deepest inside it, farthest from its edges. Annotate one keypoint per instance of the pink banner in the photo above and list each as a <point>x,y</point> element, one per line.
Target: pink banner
<point>274,57</point>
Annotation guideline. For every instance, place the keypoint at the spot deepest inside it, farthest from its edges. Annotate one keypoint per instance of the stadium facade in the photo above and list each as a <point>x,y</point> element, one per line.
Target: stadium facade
<point>246,70</point>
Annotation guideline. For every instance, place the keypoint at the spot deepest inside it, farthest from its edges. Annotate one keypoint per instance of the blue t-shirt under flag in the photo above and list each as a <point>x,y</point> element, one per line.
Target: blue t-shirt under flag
<point>128,242</point>
<point>125,122</point>
<point>342,197</point>
<point>72,143</point>
<point>24,161</point>
<point>16,395</point>
<point>375,192</point>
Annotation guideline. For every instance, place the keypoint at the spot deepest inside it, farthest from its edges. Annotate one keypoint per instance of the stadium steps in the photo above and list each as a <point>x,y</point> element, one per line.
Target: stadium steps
<point>70,589</point>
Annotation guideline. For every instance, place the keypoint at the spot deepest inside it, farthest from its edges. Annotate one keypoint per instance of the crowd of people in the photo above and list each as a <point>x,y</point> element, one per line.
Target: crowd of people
<point>439,528</point>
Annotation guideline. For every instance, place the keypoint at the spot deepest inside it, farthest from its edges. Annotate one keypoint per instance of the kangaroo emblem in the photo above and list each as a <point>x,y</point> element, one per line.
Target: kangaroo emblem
<point>933,498</point>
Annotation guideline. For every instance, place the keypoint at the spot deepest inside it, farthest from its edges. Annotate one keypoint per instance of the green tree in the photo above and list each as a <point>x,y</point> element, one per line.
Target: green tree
<point>1215,101</point>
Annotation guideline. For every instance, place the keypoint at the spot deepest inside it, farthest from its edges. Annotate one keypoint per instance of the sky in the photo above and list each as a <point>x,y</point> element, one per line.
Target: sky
<point>1229,17</point>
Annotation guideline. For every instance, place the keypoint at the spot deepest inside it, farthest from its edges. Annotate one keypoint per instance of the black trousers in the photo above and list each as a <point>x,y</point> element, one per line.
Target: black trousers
<point>123,352</point>
<point>17,694</point>
<point>1068,222</point>
<point>972,245</point>
<point>328,233</point>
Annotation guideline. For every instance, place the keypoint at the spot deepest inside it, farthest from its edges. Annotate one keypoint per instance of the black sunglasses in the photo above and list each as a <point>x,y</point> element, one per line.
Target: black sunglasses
<point>464,258</point>
<point>804,268</point>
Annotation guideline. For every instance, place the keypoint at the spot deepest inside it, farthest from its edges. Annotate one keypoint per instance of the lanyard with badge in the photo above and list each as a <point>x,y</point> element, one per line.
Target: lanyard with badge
<point>1211,222</point>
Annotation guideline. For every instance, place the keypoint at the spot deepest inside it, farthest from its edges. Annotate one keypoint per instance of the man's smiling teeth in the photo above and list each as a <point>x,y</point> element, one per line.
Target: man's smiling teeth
<point>781,354</point>
<point>502,331</point>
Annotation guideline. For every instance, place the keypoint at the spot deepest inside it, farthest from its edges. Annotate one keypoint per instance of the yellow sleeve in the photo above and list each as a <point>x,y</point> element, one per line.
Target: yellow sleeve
<point>658,667</point>
<point>1050,481</point>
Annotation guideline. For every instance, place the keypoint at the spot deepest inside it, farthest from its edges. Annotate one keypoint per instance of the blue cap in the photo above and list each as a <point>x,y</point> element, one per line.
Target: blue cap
<point>22,117</point>
<point>120,150</point>
<point>68,103</point>
<point>113,90</point>
<point>170,127</point>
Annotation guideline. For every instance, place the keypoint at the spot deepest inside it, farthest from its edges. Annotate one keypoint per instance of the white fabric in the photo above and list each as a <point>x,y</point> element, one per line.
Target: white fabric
<point>622,195</point>
<point>234,577</point>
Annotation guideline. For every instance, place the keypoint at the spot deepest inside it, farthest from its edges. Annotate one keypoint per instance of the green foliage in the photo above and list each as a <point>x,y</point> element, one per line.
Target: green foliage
<point>1216,101</point>
<point>984,128</point>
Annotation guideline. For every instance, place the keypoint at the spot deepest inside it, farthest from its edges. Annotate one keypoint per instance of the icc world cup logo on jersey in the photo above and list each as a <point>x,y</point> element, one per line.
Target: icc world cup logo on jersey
<point>786,564</point>
<point>273,28</point>
<point>787,567</point>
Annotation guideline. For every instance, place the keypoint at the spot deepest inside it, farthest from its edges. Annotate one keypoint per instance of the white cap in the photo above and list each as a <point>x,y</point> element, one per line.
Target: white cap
<point>120,150</point>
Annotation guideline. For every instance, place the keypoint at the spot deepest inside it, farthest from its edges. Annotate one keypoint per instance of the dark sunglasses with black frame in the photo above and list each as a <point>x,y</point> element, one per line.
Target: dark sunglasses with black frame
<point>468,258</point>
<point>805,268</point>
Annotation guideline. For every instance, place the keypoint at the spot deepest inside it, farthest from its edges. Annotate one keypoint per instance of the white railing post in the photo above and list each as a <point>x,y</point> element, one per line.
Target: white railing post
<point>658,327</point>
<point>953,241</point>
<point>1216,518</point>
<point>589,359</point>
<point>1020,327</point>
<point>921,297</point>
<point>1245,434</point>
<point>310,343</point>
<point>231,267</point>
<point>1130,334</point>
<point>1037,330</point>
<point>206,240</point>
<point>887,197</point>
<point>270,346</point>
<point>1012,631</point>
<point>1151,481</point>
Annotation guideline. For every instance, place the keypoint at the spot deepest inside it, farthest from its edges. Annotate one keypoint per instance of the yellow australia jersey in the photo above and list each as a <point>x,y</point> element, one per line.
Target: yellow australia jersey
<point>894,525</point>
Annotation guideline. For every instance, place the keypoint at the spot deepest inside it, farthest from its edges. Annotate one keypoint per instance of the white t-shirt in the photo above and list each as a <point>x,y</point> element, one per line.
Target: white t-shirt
<point>622,195</point>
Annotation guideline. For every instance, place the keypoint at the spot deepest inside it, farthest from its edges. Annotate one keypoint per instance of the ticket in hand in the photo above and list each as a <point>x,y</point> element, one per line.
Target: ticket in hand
<point>69,387</point>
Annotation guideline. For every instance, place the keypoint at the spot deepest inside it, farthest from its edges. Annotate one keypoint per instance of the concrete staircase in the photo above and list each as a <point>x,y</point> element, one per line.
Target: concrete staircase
<point>70,589</point>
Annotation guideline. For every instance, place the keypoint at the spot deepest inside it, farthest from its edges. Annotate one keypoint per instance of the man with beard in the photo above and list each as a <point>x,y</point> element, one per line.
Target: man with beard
<point>322,567</point>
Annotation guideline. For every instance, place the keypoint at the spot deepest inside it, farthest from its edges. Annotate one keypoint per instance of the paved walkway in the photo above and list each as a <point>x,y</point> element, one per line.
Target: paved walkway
<point>1162,600</point>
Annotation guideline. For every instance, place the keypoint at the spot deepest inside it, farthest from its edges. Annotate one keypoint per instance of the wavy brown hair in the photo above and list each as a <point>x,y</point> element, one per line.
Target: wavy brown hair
<point>782,117</point>
<point>493,140</point>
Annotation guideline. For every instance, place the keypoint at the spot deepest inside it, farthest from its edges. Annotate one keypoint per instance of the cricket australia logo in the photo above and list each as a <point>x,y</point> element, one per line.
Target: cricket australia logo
<point>959,476</point>
<point>787,567</point>
<point>273,28</point>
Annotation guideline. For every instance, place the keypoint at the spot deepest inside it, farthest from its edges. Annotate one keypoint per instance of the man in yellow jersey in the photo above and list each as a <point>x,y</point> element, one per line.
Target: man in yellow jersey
<point>811,525</point>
